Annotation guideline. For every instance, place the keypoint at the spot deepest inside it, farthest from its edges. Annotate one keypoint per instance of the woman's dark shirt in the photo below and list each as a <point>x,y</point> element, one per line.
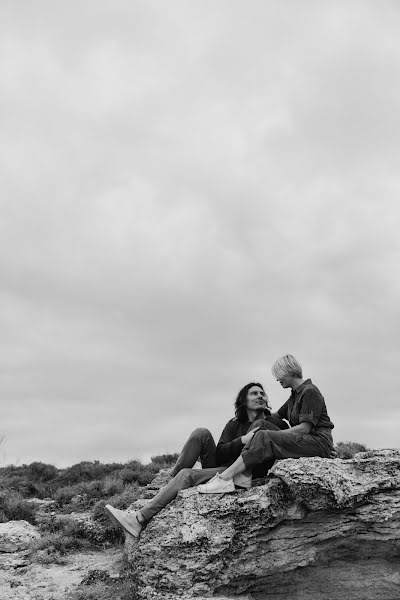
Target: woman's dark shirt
<point>306,404</point>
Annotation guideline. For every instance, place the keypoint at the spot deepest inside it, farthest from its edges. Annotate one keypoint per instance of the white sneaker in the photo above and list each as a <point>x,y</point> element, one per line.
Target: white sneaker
<point>242,481</point>
<point>217,485</point>
<point>128,522</point>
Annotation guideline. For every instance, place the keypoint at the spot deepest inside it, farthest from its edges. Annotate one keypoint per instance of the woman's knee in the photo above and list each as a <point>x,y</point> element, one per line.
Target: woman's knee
<point>260,423</point>
<point>261,437</point>
<point>263,425</point>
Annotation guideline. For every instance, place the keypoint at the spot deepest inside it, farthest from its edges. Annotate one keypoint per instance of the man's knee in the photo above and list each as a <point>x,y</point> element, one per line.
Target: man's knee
<point>201,433</point>
<point>183,478</point>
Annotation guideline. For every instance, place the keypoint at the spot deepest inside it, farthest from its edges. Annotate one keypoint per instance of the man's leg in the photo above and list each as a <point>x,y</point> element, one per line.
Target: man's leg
<point>184,479</point>
<point>200,444</point>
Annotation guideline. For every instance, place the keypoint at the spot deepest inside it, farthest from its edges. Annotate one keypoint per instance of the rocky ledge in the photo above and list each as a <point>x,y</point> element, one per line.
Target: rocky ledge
<point>314,529</point>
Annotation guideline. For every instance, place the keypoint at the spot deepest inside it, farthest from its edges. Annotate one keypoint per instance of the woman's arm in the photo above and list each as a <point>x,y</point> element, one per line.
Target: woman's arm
<point>303,427</point>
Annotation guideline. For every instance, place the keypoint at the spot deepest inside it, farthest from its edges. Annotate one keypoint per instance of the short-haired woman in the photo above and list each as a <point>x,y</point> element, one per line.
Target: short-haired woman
<point>310,433</point>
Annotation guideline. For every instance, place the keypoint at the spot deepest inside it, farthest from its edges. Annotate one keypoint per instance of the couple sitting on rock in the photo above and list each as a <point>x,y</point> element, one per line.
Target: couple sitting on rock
<point>249,444</point>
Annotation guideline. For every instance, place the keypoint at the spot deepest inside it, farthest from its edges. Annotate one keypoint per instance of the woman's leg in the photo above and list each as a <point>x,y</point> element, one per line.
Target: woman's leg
<point>200,444</point>
<point>280,444</point>
<point>269,445</point>
<point>261,425</point>
<point>237,468</point>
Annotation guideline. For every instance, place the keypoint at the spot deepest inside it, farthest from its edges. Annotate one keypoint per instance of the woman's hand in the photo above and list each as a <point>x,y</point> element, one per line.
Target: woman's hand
<point>249,435</point>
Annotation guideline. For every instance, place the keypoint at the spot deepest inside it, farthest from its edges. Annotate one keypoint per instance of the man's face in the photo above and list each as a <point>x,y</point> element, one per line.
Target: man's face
<point>256,398</point>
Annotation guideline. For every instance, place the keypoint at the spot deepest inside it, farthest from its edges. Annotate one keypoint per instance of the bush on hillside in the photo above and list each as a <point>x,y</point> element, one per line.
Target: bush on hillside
<point>58,544</point>
<point>13,507</point>
<point>164,461</point>
<point>346,450</point>
<point>88,490</point>
<point>86,471</point>
<point>91,479</point>
<point>127,475</point>
<point>122,501</point>
<point>41,472</point>
<point>104,589</point>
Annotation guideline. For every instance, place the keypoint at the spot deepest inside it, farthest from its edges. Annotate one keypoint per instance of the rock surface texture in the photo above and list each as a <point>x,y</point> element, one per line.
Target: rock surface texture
<point>315,529</point>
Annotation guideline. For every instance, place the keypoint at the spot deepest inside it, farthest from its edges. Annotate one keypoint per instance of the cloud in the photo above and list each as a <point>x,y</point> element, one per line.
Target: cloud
<point>186,198</point>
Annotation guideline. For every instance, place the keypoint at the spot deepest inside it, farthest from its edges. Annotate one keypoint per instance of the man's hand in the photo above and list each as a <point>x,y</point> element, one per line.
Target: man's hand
<point>249,435</point>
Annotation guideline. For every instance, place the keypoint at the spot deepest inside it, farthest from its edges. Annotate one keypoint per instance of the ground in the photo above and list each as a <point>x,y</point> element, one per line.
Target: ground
<point>26,580</point>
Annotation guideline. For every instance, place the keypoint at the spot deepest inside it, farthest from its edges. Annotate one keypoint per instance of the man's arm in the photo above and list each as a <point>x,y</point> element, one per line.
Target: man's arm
<point>230,444</point>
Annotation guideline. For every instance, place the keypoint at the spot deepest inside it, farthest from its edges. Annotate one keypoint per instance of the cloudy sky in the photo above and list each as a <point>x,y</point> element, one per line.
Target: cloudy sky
<point>189,190</point>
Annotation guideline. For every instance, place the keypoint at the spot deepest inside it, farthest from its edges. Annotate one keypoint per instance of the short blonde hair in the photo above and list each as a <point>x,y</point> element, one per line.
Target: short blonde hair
<point>287,366</point>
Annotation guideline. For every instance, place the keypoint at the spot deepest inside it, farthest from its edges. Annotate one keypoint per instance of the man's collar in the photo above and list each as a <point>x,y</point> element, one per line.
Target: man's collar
<point>302,386</point>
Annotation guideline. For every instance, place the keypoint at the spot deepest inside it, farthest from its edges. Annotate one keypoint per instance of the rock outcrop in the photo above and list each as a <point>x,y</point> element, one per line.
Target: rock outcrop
<point>17,535</point>
<point>315,529</point>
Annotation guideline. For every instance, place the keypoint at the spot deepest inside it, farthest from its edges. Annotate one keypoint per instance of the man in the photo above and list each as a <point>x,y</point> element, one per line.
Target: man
<point>250,407</point>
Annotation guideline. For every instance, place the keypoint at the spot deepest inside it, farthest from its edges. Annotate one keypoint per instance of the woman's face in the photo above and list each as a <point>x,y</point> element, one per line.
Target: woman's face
<point>286,381</point>
<point>256,398</point>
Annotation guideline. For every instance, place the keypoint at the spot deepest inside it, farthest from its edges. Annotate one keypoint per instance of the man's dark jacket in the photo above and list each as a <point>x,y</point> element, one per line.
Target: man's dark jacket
<point>230,443</point>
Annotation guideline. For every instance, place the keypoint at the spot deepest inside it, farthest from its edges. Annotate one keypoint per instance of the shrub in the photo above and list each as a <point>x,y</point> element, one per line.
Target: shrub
<point>13,507</point>
<point>65,494</point>
<point>90,480</point>
<point>84,531</point>
<point>87,471</point>
<point>112,485</point>
<point>100,585</point>
<point>164,461</point>
<point>58,543</point>
<point>127,475</point>
<point>122,501</point>
<point>144,477</point>
<point>23,486</point>
<point>346,450</point>
<point>42,472</point>
<point>88,490</point>
<point>105,590</point>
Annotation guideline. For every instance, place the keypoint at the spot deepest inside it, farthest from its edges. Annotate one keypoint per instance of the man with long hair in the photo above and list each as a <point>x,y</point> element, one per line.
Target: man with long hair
<point>310,433</point>
<point>252,413</point>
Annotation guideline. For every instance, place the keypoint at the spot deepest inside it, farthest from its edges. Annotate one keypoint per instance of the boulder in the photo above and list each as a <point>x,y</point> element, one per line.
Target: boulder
<point>315,529</point>
<point>17,535</point>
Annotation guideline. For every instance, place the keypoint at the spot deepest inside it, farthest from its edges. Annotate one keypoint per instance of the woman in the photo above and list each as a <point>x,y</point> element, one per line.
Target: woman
<point>310,433</point>
<point>252,414</point>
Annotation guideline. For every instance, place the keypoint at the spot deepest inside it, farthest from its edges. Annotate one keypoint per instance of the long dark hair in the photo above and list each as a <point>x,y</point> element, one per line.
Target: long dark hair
<point>240,402</point>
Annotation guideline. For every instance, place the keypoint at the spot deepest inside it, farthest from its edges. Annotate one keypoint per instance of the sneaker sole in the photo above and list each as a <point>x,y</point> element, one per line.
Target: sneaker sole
<point>224,492</point>
<point>109,511</point>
